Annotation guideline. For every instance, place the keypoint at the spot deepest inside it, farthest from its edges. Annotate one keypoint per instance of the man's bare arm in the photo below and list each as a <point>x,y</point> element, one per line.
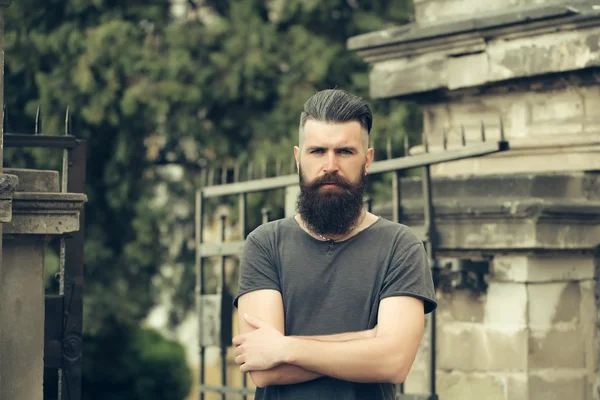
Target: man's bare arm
<point>387,357</point>
<point>268,306</point>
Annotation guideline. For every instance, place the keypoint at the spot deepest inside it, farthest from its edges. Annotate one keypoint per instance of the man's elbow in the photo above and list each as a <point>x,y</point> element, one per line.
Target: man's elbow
<point>399,371</point>
<point>398,377</point>
<point>261,379</point>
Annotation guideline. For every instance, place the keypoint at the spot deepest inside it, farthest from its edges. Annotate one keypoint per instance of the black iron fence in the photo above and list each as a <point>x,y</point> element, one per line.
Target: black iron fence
<point>63,324</point>
<point>215,310</point>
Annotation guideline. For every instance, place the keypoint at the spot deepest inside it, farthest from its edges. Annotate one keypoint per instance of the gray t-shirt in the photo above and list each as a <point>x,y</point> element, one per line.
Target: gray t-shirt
<point>330,288</point>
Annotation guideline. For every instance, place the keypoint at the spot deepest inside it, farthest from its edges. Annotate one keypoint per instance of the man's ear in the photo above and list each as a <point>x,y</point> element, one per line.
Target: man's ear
<point>369,159</point>
<point>297,157</point>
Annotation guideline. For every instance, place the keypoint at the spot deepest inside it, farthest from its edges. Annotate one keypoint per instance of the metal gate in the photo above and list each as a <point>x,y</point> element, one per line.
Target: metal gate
<point>63,315</point>
<point>215,310</point>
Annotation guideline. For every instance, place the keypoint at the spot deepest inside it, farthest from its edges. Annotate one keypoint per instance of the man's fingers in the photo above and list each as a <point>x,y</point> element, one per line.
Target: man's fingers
<point>244,368</point>
<point>239,350</point>
<point>237,340</point>
<point>239,360</point>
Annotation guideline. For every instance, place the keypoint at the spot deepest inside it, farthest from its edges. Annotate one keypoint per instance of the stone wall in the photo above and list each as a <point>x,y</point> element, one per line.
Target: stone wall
<point>527,337</point>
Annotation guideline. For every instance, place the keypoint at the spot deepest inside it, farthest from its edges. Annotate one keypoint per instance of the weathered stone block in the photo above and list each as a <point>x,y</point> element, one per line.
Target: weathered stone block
<point>553,303</point>
<point>460,306</point>
<point>558,385</point>
<point>543,267</point>
<point>473,347</point>
<point>467,71</point>
<point>556,348</point>
<point>470,386</point>
<point>506,304</point>
<point>417,381</point>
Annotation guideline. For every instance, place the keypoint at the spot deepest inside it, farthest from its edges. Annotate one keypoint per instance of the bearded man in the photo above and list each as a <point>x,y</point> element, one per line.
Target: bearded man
<point>332,301</point>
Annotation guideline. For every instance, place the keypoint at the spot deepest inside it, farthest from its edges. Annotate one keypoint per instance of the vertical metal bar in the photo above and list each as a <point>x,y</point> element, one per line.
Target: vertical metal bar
<point>72,284</point>
<point>222,290</point>
<point>266,214</point>
<point>242,226</point>
<point>38,121</point>
<point>4,118</point>
<point>62,250</point>
<point>199,285</point>
<point>265,168</point>
<point>463,136</point>
<point>368,203</point>
<point>396,206</point>
<point>224,171</point>
<point>482,131</point>
<point>430,245</point>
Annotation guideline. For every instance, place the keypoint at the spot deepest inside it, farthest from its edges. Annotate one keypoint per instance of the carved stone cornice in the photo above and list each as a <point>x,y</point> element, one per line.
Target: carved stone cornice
<point>45,213</point>
<point>8,184</point>
<point>473,52</point>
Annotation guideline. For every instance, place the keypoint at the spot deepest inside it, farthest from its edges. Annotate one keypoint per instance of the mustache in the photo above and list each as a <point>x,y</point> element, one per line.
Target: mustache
<point>329,179</point>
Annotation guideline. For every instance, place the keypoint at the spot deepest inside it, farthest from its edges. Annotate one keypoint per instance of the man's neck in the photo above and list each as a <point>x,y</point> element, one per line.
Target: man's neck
<point>364,220</point>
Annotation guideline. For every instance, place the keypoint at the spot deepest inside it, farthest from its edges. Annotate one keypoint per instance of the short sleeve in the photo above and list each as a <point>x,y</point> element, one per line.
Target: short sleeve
<point>257,270</point>
<point>409,274</point>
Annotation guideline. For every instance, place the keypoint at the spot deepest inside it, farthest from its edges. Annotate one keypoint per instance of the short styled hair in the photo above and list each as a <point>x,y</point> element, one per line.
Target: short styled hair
<point>335,105</point>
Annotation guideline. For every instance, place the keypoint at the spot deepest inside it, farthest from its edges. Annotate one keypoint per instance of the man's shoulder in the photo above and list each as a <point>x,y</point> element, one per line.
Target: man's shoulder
<point>272,229</point>
<point>401,234</point>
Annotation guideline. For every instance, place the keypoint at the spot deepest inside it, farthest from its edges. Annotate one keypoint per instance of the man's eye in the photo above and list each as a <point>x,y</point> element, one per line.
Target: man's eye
<point>344,151</point>
<point>317,151</point>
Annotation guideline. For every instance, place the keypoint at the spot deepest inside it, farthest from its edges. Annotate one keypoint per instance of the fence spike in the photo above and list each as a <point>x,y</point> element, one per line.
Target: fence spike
<point>482,131</point>
<point>68,127</point>
<point>501,130</point>
<point>388,147</point>
<point>444,138</point>
<point>224,171</point>
<point>236,172</point>
<point>210,180</point>
<point>38,121</point>
<point>278,166</point>
<point>425,142</point>
<point>292,165</point>
<point>463,137</point>
<point>250,171</point>
<point>264,168</point>
<point>406,144</point>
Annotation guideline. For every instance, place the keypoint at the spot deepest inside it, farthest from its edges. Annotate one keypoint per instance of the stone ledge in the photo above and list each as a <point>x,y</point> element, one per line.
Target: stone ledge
<point>45,213</point>
<point>8,184</point>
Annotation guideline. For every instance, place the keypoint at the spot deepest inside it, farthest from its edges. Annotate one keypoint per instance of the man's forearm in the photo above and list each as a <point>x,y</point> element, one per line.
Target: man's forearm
<point>288,374</point>
<point>362,360</point>
<point>283,374</point>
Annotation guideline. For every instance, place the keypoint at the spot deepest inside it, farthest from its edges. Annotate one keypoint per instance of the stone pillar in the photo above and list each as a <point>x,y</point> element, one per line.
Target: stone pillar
<point>38,211</point>
<point>530,332</point>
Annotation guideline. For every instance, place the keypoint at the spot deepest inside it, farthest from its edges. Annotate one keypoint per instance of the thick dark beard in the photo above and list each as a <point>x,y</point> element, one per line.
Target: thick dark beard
<point>333,211</point>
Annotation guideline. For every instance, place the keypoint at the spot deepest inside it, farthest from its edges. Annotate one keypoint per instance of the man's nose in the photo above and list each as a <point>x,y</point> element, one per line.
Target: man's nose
<point>331,164</point>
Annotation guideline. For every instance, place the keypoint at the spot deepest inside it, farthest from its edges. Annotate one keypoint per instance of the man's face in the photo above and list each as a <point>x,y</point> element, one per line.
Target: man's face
<point>332,148</point>
<point>332,161</point>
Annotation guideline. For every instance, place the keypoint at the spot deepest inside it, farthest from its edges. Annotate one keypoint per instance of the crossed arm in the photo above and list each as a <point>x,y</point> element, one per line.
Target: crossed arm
<point>382,355</point>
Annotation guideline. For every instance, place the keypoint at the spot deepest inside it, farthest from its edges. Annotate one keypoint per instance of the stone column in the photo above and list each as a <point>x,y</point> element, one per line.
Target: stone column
<point>39,210</point>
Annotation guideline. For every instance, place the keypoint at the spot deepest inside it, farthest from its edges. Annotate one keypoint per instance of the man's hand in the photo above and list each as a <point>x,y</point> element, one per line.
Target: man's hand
<point>261,349</point>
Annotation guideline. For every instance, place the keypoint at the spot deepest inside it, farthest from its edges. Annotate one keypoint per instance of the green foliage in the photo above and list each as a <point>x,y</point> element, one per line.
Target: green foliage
<point>144,366</point>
